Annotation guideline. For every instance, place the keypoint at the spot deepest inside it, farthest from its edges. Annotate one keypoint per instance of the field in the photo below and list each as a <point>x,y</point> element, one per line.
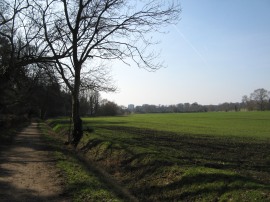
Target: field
<point>182,157</point>
<point>245,124</point>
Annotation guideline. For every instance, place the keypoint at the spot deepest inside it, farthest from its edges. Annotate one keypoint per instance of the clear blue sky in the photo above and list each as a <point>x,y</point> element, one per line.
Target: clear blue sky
<point>218,52</point>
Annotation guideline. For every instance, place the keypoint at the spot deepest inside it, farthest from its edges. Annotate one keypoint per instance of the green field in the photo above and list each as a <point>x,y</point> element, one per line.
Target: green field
<point>183,157</point>
<point>248,124</point>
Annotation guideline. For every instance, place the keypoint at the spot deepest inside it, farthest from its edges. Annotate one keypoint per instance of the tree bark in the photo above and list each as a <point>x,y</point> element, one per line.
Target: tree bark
<point>77,132</point>
<point>76,121</point>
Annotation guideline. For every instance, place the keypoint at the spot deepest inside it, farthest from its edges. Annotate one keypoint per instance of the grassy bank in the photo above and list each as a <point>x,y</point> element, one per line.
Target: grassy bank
<point>183,157</point>
<point>82,181</point>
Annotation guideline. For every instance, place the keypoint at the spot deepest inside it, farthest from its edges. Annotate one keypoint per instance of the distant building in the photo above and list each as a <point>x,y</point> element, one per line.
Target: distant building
<point>131,107</point>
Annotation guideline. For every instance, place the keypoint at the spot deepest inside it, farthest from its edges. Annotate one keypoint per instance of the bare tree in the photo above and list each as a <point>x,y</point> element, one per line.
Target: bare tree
<point>15,36</point>
<point>78,32</point>
<point>75,35</point>
<point>20,33</point>
<point>261,97</point>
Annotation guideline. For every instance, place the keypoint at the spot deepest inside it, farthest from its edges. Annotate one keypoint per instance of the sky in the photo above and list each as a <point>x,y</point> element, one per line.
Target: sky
<point>218,52</point>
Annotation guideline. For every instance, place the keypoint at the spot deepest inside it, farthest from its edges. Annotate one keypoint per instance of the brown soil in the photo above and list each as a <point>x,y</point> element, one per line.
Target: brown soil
<point>27,170</point>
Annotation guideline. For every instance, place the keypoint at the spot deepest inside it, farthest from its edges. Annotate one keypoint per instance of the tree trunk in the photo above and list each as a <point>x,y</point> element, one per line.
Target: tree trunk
<point>76,120</point>
<point>91,105</point>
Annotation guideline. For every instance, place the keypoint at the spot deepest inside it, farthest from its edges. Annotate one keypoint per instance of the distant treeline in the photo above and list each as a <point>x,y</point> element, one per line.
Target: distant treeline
<point>186,107</point>
<point>258,100</point>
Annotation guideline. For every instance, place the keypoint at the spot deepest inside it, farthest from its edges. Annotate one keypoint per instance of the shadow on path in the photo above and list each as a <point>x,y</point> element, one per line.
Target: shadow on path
<point>27,172</point>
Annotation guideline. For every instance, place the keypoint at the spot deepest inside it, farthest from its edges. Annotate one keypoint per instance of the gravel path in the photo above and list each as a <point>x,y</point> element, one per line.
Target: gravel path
<point>27,170</point>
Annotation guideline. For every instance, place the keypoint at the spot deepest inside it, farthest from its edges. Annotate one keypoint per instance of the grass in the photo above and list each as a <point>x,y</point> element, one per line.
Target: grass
<point>81,183</point>
<point>248,124</point>
<point>183,157</point>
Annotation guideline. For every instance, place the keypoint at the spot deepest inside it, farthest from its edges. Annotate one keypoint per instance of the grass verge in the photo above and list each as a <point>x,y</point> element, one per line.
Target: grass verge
<point>81,183</point>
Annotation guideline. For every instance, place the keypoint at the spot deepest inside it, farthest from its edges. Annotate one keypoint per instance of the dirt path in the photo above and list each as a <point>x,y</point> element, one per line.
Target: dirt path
<point>27,171</point>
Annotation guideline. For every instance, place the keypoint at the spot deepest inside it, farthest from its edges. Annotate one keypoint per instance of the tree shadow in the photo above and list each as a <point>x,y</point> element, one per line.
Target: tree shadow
<point>206,184</point>
<point>248,159</point>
